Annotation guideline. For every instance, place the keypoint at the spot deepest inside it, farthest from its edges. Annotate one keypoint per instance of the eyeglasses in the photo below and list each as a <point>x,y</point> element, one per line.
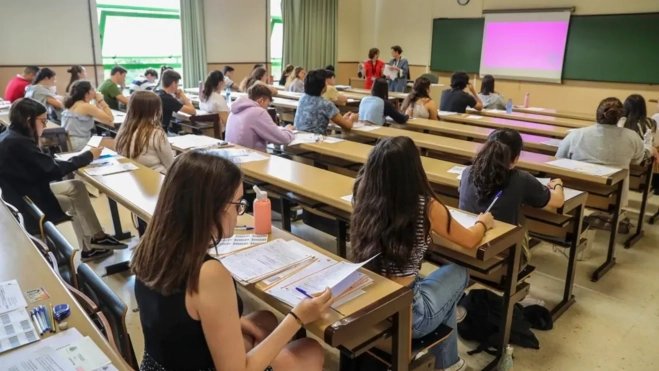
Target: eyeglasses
<point>44,121</point>
<point>241,206</point>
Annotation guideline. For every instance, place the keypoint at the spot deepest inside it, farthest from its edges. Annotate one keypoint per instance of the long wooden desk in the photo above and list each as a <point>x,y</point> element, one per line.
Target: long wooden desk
<point>363,319</point>
<point>53,131</point>
<point>497,123</point>
<point>533,162</point>
<point>555,113</point>
<point>530,117</point>
<point>20,260</point>
<point>363,92</point>
<point>353,98</point>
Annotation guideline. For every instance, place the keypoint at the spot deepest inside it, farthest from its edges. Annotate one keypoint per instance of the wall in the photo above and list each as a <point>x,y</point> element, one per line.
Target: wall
<point>388,22</point>
<point>59,44</point>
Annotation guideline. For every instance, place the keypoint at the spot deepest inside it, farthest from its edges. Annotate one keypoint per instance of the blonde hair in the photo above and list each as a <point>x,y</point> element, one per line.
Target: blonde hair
<point>293,76</point>
<point>142,124</point>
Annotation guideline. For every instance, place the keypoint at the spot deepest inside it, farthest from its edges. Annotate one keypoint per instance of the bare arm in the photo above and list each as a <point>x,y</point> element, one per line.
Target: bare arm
<point>479,103</point>
<point>341,100</point>
<point>122,98</point>
<point>101,112</point>
<point>431,106</point>
<point>465,237</point>
<point>345,122</point>
<point>54,102</point>
<point>224,116</point>
<point>187,105</point>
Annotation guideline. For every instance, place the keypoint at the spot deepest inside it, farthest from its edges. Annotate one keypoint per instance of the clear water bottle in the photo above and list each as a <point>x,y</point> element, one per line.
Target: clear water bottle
<point>509,106</point>
<point>228,95</point>
<point>506,362</point>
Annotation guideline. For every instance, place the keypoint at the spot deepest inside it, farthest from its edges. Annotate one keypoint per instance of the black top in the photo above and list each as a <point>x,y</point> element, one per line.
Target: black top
<point>282,80</point>
<point>171,337</point>
<point>391,111</point>
<point>169,105</point>
<point>26,171</point>
<point>455,100</point>
<point>522,189</point>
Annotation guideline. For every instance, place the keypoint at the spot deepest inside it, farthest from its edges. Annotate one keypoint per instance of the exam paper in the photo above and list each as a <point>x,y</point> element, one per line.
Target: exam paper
<point>567,192</point>
<point>332,140</point>
<point>11,296</point>
<point>457,170</point>
<point>239,156</point>
<point>347,198</point>
<point>84,355</point>
<point>16,329</point>
<point>105,155</point>
<point>362,127</point>
<point>390,72</point>
<point>466,220</point>
<point>553,142</point>
<point>338,277</point>
<point>583,167</point>
<point>95,141</point>
<point>239,242</point>
<point>446,113</point>
<point>44,359</point>
<point>111,169</point>
<point>306,138</point>
<point>474,117</point>
<point>185,142</point>
<point>534,109</point>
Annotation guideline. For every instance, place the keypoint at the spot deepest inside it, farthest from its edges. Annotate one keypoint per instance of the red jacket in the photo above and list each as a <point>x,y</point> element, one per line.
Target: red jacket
<point>372,71</point>
<point>16,88</point>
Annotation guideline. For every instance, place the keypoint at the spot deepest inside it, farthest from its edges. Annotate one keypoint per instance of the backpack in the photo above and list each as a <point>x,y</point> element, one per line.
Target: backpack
<point>484,314</point>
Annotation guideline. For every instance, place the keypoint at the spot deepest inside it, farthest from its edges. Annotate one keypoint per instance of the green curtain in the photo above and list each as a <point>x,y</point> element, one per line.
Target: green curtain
<point>310,32</point>
<point>194,42</point>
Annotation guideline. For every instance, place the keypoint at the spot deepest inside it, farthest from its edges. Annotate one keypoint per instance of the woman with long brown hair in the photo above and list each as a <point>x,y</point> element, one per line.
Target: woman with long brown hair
<point>141,137</point>
<point>190,311</point>
<point>395,211</point>
<point>418,102</point>
<point>295,82</point>
<point>258,76</point>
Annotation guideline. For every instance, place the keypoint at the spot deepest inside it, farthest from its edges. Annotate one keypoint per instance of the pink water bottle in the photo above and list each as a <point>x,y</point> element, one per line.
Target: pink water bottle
<point>262,212</point>
<point>526,100</point>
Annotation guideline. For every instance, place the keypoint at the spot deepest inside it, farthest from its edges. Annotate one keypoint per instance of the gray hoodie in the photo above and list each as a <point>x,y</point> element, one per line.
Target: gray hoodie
<point>492,101</point>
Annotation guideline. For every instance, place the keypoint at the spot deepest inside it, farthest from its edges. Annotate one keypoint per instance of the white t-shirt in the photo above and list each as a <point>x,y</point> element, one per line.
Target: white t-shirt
<point>228,81</point>
<point>215,103</point>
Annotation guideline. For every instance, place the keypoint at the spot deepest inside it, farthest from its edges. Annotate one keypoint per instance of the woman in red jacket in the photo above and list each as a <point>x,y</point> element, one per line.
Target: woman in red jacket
<point>373,68</point>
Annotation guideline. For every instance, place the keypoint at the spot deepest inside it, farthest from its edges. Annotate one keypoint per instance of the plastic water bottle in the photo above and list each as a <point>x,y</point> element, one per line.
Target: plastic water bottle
<point>228,95</point>
<point>506,362</point>
<point>509,106</point>
<point>262,212</point>
<point>526,100</point>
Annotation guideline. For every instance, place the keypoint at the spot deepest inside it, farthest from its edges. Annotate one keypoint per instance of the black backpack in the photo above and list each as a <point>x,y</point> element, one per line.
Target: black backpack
<point>484,313</point>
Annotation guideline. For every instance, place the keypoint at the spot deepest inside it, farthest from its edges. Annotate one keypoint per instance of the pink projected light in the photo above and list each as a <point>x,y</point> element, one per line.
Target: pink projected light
<point>525,45</point>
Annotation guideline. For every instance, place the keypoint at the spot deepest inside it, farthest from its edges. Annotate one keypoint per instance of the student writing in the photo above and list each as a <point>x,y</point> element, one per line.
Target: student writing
<point>375,108</point>
<point>16,87</point>
<point>456,99</point>
<point>394,212</point>
<point>141,136</point>
<point>79,115</point>
<point>113,87</point>
<point>192,317</point>
<point>418,103</point>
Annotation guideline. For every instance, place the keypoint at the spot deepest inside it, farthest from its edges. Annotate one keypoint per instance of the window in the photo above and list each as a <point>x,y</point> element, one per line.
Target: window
<point>276,38</point>
<point>139,34</point>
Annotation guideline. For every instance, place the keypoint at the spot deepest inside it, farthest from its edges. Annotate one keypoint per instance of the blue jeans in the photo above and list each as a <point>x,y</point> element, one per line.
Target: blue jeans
<point>434,303</point>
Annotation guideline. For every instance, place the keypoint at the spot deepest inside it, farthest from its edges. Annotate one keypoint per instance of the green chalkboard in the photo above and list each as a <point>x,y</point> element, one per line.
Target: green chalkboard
<point>614,48</point>
<point>456,44</point>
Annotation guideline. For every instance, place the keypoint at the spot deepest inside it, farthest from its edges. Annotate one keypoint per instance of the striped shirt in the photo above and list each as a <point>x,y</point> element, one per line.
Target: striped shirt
<point>419,248</point>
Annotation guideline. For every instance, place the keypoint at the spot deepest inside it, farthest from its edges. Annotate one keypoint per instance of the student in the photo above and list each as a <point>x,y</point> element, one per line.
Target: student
<point>16,86</point>
<point>605,143</point>
<point>228,77</point>
<point>79,114</point>
<point>211,98</point>
<point>284,75</point>
<point>400,64</point>
<point>331,93</point>
<point>636,118</point>
<point>259,76</point>
<point>373,68</point>
<point>455,99</point>
<point>251,126</point>
<point>77,72</point>
<point>141,136</point>
<point>418,103</point>
<point>490,98</point>
<point>170,94</point>
<point>314,113</point>
<point>191,315</point>
<point>144,82</point>
<point>113,87</point>
<point>493,171</point>
<point>330,67</point>
<point>26,171</point>
<point>394,214</point>
<point>376,107</point>
<point>162,71</point>
<point>44,91</point>
<point>295,81</point>
<point>655,177</point>
<point>244,85</point>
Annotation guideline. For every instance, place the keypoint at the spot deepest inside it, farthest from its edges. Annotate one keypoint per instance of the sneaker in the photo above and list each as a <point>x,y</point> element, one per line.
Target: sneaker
<point>461,365</point>
<point>530,300</point>
<point>94,254</point>
<point>107,242</point>
<point>461,313</point>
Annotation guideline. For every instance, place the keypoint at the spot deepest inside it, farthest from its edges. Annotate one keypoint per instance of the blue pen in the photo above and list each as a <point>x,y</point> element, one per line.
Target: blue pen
<point>37,313</point>
<point>47,316</point>
<point>303,293</point>
<point>42,313</point>
<point>243,228</point>
<point>495,200</point>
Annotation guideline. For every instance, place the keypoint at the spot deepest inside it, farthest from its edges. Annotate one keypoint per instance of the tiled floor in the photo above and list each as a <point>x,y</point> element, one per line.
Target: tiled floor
<point>613,325</point>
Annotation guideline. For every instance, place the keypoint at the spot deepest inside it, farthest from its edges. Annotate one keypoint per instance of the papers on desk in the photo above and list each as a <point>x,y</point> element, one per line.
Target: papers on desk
<point>95,141</point>
<point>363,127</point>
<point>109,168</point>
<point>260,262</point>
<point>16,329</point>
<point>239,156</point>
<point>237,242</point>
<point>347,198</point>
<point>332,140</point>
<point>583,167</point>
<point>305,138</point>
<point>494,110</point>
<point>338,277</point>
<point>186,142</point>
<point>11,297</point>
<point>44,359</point>
<point>567,192</point>
<point>538,109</point>
<point>553,142</point>
<point>446,113</point>
<point>466,220</point>
<point>84,355</point>
<point>352,100</point>
<point>474,117</point>
<point>457,170</point>
<point>105,155</point>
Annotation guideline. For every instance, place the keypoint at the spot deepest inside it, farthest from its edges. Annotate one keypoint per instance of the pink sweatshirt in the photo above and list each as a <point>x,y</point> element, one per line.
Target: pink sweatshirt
<point>251,126</point>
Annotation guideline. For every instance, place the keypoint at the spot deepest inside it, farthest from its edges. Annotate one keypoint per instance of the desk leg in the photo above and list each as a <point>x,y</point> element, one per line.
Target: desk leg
<point>346,363</point>
<point>285,214</point>
<point>116,222</point>
<point>610,256</point>
<point>401,339</point>
<point>341,238</point>
<point>568,298</point>
<point>641,215</point>
<point>508,303</point>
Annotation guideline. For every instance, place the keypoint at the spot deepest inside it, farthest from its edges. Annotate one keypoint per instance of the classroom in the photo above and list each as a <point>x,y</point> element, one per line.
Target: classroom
<point>329,185</point>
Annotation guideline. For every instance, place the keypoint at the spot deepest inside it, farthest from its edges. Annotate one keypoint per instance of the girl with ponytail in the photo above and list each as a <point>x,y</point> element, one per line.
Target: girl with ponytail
<point>418,103</point>
<point>212,99</point>
<point>79,114</point>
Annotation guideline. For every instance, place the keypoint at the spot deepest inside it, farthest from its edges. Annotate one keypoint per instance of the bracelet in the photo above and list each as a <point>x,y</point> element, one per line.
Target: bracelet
<point>558,185</point>
<point>297,319</point>
<point>481,223</point>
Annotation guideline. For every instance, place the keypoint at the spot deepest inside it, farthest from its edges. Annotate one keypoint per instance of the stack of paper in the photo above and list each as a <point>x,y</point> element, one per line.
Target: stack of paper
<point>390,72</point>
<point>110,167</point>
<point>105,155</point>
<point>16,328</point>
<point>583,167</point>
<point>457,170</point>
<point>240,156</point>
<point>261,262</point>
<point>466,220</point>
<point>363,127</point>
<point>185,142</point>
<point>567,192</point>
<point>238,242</point>
<point>305,138</point>
<point>446,113</point>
